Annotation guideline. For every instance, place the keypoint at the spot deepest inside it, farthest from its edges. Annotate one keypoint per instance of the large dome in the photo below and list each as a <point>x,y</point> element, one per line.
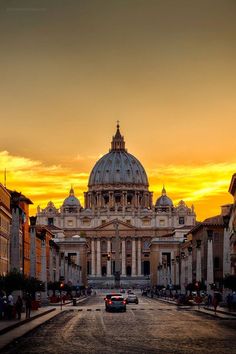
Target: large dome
<point>118,167</point>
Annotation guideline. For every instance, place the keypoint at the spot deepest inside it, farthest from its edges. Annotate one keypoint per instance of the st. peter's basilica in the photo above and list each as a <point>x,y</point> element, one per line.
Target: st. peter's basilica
<point>127,236</point>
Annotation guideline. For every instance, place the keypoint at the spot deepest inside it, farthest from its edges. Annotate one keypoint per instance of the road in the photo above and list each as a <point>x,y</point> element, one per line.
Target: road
<point>149,327</point>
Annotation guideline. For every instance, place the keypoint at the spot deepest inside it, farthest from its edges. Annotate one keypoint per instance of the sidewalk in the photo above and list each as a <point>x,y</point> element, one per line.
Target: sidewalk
<point>10,330</point>
<point>202,308</point>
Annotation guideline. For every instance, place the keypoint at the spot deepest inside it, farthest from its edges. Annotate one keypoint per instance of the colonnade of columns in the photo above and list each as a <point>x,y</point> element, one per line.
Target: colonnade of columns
<point>96,257</point>
<point>70,271</point>
<point>102,199</point>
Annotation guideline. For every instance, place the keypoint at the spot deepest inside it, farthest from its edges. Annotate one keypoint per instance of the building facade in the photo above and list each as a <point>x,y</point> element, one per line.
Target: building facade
<point>232,227</point>
<point>119,221</point>
<point>5,222</point>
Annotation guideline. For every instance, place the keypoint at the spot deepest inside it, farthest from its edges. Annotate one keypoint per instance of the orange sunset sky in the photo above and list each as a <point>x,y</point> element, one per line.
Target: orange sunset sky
<point>165,69</point>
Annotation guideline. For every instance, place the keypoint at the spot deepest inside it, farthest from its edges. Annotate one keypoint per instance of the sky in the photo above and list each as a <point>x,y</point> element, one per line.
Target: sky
<point>165,69</point>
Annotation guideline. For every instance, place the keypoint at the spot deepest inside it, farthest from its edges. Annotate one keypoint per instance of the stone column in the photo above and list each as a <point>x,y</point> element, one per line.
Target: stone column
<point>57,266</point>
<point>139,257</point>
<point>177,270</point>
<point>51,273</point>
<point>199,262</point>
<point>44,269</point>
<point>123,259</point>
<point>165,274</point>
<point>226,252</point>
<point>168,275</point>
<point>133,258</point>
<point>32,252</point>
<point>62,272</point>
<point>66,269</point>
<point>162,275</point>
<point>159,275</point>
<point>92,258</point>
<point>109,258</point>
<point>182,273</point>
<point>190,265</point>
<point>98,257</point>
<point>172,271</point>
<point>210,272</point>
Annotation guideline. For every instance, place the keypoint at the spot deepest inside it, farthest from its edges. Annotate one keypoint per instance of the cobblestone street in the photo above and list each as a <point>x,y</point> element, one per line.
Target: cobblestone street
<point>149,327</point>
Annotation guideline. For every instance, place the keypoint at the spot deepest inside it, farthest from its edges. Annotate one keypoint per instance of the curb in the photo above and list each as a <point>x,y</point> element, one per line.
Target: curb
<point>18,324</point>
<point>233,314</point>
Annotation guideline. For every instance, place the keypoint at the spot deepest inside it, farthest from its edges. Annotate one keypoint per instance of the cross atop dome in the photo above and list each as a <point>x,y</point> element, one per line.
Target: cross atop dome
<point>118,142</point>
<point>72,193</point>
<point>163,190</point>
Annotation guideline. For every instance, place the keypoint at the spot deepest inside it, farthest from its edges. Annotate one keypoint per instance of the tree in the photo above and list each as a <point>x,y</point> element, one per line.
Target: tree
<point>14,280</point>
<point>32,285</point>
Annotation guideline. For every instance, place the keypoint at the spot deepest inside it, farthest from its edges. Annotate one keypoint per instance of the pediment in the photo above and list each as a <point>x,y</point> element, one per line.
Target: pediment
<point>111,225</point>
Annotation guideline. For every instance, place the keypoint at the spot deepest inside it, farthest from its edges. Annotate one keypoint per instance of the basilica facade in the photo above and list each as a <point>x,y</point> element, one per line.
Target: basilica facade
<point>128,235</point>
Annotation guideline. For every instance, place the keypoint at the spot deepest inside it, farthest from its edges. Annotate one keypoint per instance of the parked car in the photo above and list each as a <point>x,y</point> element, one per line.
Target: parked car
<point>132,298</point>
<point>109,296</point>
<point>116,303</point>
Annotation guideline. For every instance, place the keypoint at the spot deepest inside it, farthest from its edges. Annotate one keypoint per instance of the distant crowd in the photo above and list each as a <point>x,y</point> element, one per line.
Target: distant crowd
<point>10,309</point>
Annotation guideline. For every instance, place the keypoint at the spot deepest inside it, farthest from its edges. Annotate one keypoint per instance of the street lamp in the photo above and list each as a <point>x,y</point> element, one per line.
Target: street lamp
<point>61,288</point>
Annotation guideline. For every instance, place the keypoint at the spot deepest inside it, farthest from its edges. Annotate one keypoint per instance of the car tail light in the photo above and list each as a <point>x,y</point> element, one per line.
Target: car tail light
<point>124,302</point>
<point>110,302</point>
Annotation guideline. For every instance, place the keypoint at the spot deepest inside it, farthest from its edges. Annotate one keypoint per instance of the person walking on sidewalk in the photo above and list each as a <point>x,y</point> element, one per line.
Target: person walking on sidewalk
<point>10,304</point>
<point>19,305</point>
<point>216,300</point>
<point>28,305</point>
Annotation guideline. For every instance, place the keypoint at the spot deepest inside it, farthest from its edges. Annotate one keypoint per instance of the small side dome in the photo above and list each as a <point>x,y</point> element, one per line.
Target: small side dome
<point>71,201</point>
<point>163,200</point>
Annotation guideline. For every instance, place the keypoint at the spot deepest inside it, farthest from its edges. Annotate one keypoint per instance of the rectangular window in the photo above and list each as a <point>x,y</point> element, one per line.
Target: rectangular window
<point>50,221</point>
<point>162,222</point>
<point>70,222</point>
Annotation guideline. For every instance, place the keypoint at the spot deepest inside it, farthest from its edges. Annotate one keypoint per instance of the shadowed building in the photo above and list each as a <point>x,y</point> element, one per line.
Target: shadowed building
<point>5,220</point>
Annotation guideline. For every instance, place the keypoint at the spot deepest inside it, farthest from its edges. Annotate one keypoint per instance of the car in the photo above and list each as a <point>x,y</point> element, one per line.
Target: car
<point>109,296</point>
<point>132,298</point>
<point>122,291</point>
<point>116,303</point>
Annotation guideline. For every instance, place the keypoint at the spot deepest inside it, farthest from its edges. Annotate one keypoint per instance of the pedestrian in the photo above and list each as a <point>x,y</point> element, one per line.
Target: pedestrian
<point>10,304</point>
<point>28,305</point>
<point>216,300</point>
<point>19,305</point>
<point>5,305</point>
<point>209,300</point>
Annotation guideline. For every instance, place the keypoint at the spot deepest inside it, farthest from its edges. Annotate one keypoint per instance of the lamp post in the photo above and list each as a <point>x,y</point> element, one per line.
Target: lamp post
<point>61,288</point>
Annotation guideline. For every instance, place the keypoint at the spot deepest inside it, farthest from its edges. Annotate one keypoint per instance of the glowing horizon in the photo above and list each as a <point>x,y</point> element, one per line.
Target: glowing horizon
<point>205,187</point>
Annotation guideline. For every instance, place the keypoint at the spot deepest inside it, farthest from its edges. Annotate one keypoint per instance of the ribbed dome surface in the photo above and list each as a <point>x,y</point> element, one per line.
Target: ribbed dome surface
<point>163,200</point>
<point>118,167</point>
<point>71,200</point>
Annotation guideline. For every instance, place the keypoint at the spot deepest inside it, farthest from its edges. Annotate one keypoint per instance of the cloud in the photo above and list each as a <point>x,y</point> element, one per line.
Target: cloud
<point>205,186</point>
